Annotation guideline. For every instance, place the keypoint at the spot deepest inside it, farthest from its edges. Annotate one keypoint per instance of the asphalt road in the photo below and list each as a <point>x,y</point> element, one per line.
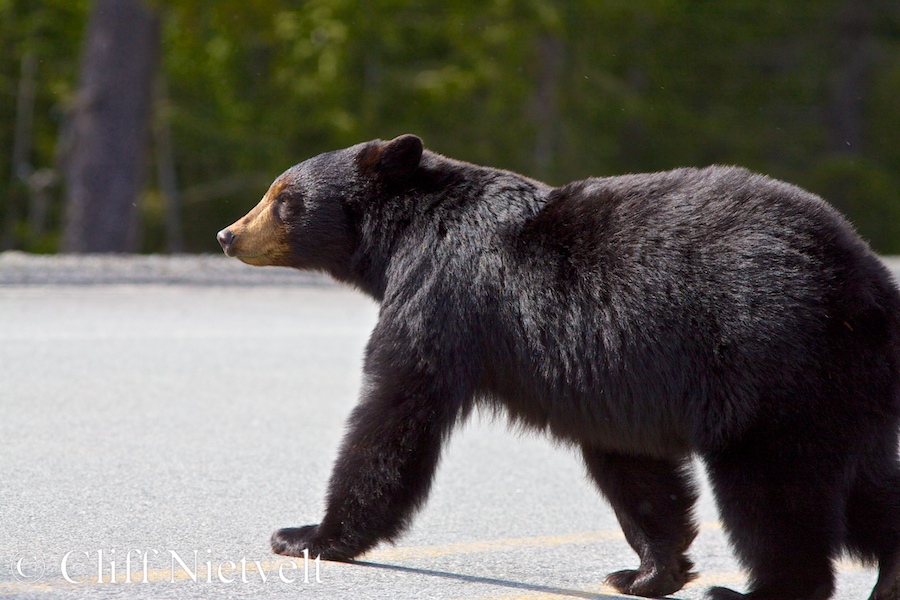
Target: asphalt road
<point>164,424</point>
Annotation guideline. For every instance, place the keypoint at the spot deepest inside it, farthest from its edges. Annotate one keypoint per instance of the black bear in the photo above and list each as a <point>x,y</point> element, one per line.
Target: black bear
<point>646,318</point>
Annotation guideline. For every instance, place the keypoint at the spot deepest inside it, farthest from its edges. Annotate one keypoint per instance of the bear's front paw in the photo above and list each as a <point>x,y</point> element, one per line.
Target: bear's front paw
<point>653,582</point>
<point>292,541</point>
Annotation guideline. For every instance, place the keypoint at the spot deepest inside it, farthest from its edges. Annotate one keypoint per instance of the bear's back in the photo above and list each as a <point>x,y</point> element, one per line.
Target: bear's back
<point>698,227</point>
<point>694,287</point>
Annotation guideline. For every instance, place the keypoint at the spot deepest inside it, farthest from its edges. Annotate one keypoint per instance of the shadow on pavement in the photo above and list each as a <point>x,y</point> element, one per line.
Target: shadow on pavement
<point>517,585</point>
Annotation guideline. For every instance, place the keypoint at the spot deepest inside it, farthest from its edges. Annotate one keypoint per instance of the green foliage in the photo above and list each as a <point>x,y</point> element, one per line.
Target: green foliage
<point>50,30</point>
<point>554,90</point>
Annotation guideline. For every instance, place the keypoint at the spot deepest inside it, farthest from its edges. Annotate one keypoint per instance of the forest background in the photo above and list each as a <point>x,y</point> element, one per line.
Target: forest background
<point>226,94</point>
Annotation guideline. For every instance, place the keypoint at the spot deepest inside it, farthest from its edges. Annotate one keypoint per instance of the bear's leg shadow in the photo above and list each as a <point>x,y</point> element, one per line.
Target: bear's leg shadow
<point>382,475</point>
<point>782,503</point>
<point>873,517</point>
<point>653,500</point>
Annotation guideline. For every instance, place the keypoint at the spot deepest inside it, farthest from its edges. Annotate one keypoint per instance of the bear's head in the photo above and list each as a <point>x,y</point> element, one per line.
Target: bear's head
<point>310,217</point>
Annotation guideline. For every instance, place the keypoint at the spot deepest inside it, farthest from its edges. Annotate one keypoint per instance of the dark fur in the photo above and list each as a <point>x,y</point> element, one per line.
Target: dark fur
<point>645,318</point>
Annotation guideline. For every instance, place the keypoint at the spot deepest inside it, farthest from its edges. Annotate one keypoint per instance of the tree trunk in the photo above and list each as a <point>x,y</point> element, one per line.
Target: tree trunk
<point>165,169</point>
<point>854,46</point>
<point>545,103</point>
<point>110,127</point>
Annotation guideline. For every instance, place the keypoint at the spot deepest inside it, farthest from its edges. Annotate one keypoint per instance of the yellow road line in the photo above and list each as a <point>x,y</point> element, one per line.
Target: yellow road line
<point>211,573</point>
<point>591,537</point>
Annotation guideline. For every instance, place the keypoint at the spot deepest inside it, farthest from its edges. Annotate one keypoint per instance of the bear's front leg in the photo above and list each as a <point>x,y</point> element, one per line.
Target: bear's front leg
<point>384,469</point>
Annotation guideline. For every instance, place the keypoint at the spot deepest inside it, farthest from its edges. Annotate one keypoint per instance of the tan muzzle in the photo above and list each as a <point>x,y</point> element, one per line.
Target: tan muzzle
<point>258,238</point>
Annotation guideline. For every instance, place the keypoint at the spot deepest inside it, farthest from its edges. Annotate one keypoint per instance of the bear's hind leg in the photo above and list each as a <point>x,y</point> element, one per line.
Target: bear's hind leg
<point>653,500</point>
<point>873,520</point>
<point>782,505</point>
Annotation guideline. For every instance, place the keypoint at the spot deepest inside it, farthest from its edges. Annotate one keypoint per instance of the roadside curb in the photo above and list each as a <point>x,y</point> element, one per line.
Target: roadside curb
<point>19,268</point>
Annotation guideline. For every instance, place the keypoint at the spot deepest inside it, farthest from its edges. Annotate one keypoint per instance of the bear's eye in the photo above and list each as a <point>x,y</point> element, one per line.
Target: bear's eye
<point>281,206</point>
<point>283,202</point>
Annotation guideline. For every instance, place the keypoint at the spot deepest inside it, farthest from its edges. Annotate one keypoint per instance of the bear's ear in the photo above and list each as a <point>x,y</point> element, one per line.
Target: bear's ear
<point>396,159</point>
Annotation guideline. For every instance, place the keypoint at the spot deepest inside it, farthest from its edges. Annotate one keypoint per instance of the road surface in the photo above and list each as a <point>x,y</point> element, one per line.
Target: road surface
<point>158,420</point>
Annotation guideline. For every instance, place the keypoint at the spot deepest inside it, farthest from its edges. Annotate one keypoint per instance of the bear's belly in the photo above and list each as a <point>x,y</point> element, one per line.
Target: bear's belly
<point>644,426</point>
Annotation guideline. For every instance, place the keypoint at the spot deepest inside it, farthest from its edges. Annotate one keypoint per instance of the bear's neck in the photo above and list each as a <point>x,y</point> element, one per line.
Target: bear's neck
<point>410,225</point>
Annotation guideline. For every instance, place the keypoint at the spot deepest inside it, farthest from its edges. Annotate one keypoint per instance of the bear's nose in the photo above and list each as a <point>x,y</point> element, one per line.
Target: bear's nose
<point>226,240</point>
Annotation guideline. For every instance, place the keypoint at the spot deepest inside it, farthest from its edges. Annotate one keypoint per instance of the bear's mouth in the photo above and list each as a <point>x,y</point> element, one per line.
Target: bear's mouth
<point>256,260</point>
<point>274,256</point>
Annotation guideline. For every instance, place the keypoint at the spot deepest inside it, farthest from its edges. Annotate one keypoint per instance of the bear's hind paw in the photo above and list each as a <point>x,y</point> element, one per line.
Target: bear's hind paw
<point>652,583</point>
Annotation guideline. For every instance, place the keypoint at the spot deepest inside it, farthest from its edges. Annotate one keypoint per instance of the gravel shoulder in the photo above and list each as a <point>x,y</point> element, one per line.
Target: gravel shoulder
<point>19,268</point>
